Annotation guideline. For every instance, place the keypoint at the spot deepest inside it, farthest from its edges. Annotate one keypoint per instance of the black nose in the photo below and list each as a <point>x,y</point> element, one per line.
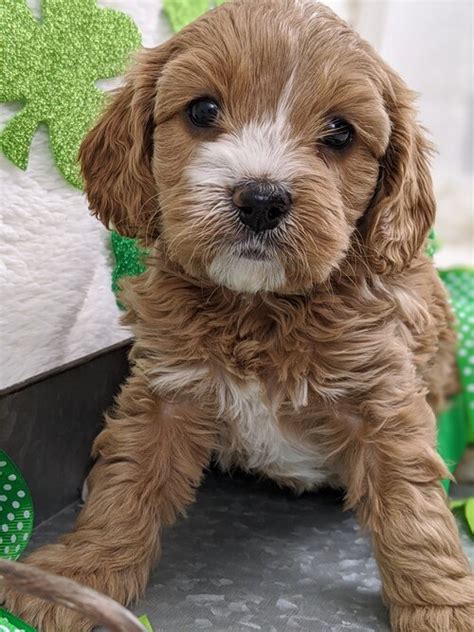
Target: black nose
<point>261,205</point>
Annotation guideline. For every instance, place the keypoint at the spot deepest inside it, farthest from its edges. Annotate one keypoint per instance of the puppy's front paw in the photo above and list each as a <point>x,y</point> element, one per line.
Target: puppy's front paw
<point>44,616</point>
<point>432,618</point>
<point>61,562</point>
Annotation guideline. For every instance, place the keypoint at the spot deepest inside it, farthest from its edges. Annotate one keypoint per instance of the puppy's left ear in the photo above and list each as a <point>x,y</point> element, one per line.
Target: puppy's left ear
<point>403,211</point>
<point>116,155</point>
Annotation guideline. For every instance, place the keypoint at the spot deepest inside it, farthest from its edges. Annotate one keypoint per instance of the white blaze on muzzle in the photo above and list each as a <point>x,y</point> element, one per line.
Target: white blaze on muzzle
<point>258,150</point>
<point>261,149</point>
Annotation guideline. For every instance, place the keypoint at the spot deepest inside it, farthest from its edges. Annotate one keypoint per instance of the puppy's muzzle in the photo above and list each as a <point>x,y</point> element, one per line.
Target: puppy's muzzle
<point>261,205</point>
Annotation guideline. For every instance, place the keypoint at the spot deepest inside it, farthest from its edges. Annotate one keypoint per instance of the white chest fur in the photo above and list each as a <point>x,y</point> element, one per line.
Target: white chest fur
<point>255,440</point>
<point>250,433</point>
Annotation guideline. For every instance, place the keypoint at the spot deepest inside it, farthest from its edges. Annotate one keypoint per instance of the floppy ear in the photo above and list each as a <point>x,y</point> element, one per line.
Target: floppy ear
<point>403,210</point>
<point>116,155</point>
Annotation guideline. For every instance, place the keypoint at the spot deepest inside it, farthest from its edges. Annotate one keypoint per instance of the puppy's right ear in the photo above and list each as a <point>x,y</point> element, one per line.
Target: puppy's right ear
<point>116,155</point>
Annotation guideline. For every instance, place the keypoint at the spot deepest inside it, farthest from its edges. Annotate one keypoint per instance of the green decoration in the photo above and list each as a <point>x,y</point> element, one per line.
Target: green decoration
<point>16,510</point>
<point>432,244</point>
<point>144,620</point>
<point>466,505</point>
<point>452,434</point>
<point>10,623</point>
<point>129,259</point>
<point>183,12</point>
<point>51,67</point>
<point>460,283</point>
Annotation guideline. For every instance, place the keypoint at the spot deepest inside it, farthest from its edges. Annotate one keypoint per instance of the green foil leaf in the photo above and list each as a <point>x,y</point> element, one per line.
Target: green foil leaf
<point>51,67</point>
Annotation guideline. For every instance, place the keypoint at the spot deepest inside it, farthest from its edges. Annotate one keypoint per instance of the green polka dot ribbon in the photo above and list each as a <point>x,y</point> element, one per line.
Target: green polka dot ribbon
<point>16,510</point>
<point>16,526</point>
<point>9,623</point>
<point>460,283</point>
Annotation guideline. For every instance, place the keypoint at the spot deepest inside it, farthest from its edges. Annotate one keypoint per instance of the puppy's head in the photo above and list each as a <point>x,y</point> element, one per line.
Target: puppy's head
<point>258,145</point>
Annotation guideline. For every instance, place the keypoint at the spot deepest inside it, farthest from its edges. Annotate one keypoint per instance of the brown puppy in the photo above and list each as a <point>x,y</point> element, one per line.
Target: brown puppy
<point>289,320</point>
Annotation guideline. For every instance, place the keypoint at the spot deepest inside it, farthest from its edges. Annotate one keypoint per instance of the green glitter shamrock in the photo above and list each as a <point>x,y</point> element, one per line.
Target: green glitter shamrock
<point>182,12</point>
<point>51,65</point>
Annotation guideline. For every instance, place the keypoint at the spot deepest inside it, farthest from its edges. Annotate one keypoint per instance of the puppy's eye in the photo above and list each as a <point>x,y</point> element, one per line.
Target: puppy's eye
<point>203,112</point>
<point>339,134</point>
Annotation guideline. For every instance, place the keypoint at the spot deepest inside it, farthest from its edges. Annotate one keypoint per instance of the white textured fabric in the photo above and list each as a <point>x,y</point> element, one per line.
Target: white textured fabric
<point>56,304</point>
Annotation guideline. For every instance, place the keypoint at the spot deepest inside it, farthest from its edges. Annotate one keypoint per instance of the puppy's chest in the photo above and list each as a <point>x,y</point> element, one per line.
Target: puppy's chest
<point>259,435</point>
<point>258,430</point>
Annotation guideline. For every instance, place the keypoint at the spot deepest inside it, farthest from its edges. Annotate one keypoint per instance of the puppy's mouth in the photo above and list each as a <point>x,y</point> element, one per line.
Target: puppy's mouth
<point>253,253</point>
<point>255,249</point>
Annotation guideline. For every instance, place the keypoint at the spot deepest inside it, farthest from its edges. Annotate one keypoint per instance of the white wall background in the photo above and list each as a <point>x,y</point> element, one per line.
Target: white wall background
<point>56,303</point>
<point>430,43</point>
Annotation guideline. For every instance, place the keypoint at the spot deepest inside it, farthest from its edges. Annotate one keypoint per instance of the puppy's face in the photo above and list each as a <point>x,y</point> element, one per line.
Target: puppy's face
<point>252,145</point>
<point>266,150</point>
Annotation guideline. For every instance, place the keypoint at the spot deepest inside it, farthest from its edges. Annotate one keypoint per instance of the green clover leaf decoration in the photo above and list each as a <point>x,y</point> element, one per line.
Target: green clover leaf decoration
<point>182,12</point>
<point>51,66</point>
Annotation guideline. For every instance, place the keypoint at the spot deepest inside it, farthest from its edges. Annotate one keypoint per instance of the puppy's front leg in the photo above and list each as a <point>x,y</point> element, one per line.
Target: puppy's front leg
<point>393,479</point>
<point>152,454</point>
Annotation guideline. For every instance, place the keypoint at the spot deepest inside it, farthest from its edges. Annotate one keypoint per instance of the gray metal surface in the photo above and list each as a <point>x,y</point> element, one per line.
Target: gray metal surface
<point>253,557</point>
